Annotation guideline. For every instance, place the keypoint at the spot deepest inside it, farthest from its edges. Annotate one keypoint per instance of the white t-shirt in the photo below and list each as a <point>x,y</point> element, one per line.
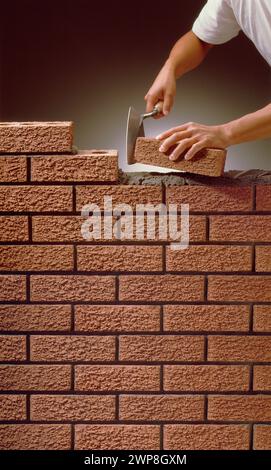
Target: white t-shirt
<point>221,20</point>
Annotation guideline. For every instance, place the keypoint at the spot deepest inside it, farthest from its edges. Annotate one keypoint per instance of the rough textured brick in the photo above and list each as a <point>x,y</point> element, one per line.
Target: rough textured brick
<point>68,407</point>
<point>35,317</point>
<point>119,258</point>
<point>161,348</point>
<point>13,228</point>
<point>206,437</point>
<point>72,348</point>
<point>12,348</point>
<point>206,318</point>
<point>72,288</point>
<point>34,377</point>
<point>161,288</point>
<point>96,165</point>
<point>117,318</point>
<point>68,228</point>
<point>12,287</point>
<point>263,197</point>
<point>12,407</point>
<point>36,258</point>
<point>35,198</point>
<point>239,408</point>
<point>239,288</point>
<point>161,407</point>
<point>211,198</point>
<point>263,258</point>
<point>262,378</point>
<point>207,162</point>
<point>117,437</point>
<point>210,258</point>
<point>240,228</point>
<point>35,137</point>
<point>239,348</point>
<point>206,378</point>
<point>12,169</point>
<point>117,378</point>
<point>262,437</point>
<point>35,437</point>
<point>121,194</point>
<point>262,318</point>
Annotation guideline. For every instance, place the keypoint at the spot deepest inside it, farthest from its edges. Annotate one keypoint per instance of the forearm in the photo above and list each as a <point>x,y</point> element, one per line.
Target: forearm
<point>250,127</point>
<point>188,52</point>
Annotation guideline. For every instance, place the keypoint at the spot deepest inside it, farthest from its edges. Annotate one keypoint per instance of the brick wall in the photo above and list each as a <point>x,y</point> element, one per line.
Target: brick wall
<point>130,345</point>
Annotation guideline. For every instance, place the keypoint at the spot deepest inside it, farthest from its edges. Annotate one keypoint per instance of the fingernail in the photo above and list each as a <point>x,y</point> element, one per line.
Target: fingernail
<point>171,157</point>
<point>158,137</point>
<point>166,112</point>
<point>186,157</point>
<point>161,149</point>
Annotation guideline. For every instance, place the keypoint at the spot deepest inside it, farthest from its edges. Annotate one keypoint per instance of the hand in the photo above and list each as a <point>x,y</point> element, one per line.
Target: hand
<point>191,138</point>
<point>163,88</point>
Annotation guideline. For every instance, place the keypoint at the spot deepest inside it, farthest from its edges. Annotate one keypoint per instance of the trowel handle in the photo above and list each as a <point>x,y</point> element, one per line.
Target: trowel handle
<point>158,108</point>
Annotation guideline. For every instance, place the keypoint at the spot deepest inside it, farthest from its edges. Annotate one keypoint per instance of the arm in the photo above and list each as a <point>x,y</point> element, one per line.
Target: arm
<point>188,52</point>
<point>193,137</point>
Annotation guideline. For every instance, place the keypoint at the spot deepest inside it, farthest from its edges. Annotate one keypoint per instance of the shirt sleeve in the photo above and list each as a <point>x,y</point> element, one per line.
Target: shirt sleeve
<point>216,23</point>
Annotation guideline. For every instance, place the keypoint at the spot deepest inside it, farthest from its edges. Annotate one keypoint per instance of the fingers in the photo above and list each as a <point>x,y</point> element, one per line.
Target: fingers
<point>181,148</point>
<point>171,131</point>
<point>173,139</point>
<point>194,150</point>
<point>151,101</point>
<point>168,103</point>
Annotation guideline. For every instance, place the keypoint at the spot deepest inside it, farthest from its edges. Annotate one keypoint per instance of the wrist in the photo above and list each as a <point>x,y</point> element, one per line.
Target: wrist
<point>171,65</point>
<point>226,134</point>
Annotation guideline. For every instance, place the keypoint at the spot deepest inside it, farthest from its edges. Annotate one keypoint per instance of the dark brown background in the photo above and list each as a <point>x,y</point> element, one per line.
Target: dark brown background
<point>88,61</point>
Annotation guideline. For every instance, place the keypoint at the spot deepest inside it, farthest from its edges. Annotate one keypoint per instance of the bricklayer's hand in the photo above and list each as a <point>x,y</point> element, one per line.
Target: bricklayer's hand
<point>191,138</point>
<point>164,89</point>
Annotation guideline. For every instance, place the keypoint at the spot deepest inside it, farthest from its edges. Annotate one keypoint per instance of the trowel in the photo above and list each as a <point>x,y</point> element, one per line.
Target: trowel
<point>135,128</point>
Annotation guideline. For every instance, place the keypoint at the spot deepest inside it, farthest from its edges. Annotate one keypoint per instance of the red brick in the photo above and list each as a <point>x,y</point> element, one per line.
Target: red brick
<point>117,378</point>
<point>110,318</point>
<point>12,169</point>
<point>262,378</point>
<point>117,437</point>
<point>210,258</point>
<point>96,165</point>
<point>119,258</point>
<point>207,162</point>
<point>35,377</point>
<point>239,288</point>
<point>206,318</point>
<point>36,258</point>
<point>239,408</point>
<point>35,437</point>
<point>262,318</point>
<point>35,137</point>
<point>206,437</point>
<point>262,437</point>
<point>121,194</point>
<point>72,348</point>
<point>161,348</point>
<point>72,407</point>
<point>263,197</point>
<point>211,198</point>
<point>161,288</point>
<point>68,228</point>
<point>35,317</point>
<point>13,229</point>
<point>35,198</point>
<point>240,228</point>
<point>12,407</point>
<point>206,378</point>
<point>263,258</point>
<point>12,348</point>
<point>161,407</point>
<point>12,288</point>
<point>72,288</point>
<point>239,348</point>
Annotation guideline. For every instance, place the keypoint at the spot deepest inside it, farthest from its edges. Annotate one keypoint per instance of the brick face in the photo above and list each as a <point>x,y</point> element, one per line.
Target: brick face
<point>125,343</point>
<point>206,437</point>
